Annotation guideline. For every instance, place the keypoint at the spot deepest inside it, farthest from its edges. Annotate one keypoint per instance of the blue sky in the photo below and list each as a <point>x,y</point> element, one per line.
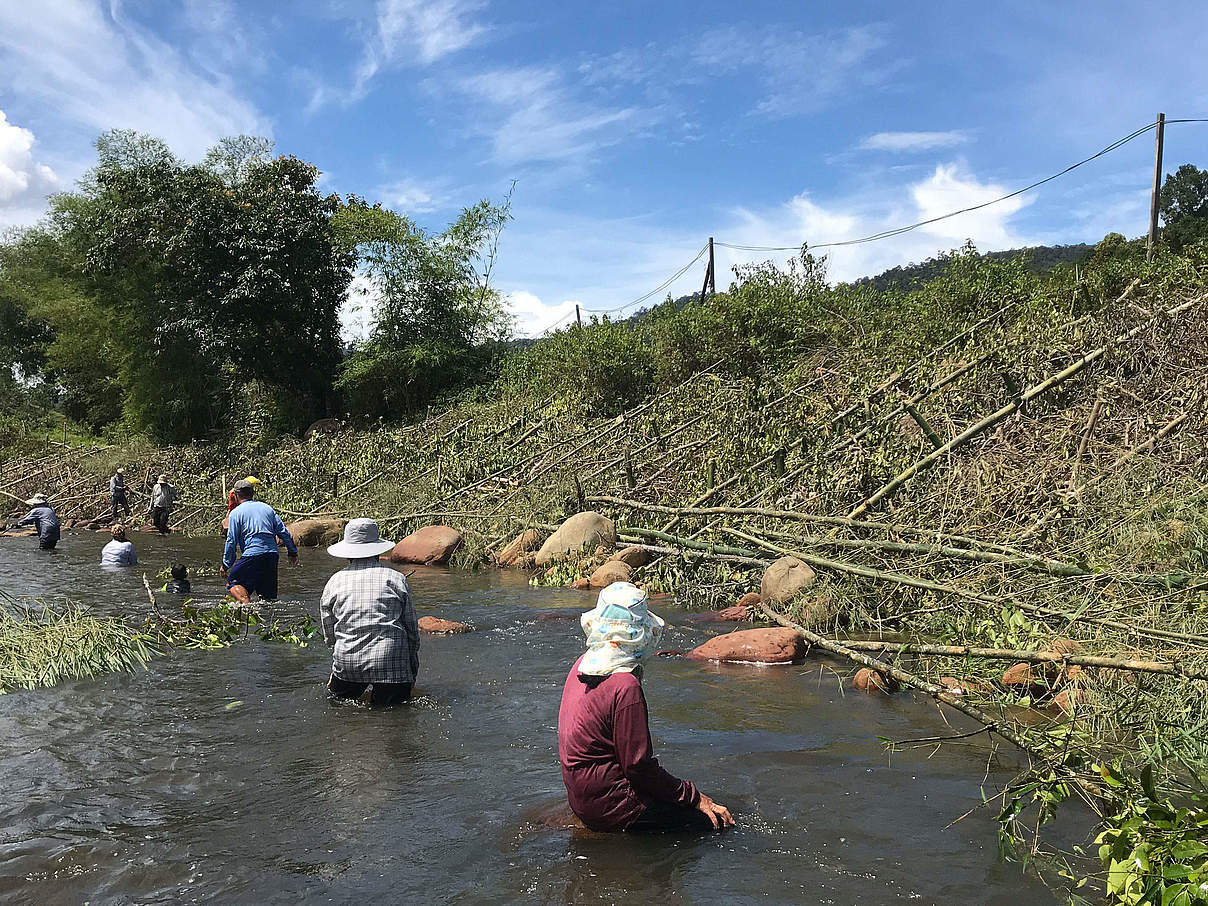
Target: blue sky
<point>635,130</point>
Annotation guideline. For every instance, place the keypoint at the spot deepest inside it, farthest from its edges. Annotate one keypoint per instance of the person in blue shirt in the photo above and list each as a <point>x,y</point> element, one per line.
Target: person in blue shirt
<point>43,518</point>
<point>119,551</point>
<point>253,530</point>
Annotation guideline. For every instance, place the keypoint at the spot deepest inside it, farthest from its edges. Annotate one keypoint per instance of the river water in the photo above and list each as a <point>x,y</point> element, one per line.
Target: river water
<point>227,777</point>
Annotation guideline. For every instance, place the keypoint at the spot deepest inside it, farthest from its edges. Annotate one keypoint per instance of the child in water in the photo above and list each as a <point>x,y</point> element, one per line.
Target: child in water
<point>179,585</point>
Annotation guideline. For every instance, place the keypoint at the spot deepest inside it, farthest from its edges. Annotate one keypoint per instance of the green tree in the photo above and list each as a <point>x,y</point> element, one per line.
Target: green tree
<point>1184,206</point>
<point>436,320</point>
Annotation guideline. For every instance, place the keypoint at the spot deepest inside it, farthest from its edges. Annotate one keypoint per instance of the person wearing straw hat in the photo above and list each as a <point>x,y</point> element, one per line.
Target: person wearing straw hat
<point>613,781</point>
<point>368,620</point>
<point>163,498</point>
<point>117,493</point>
<point>43,518</point>
<point>119,551</point>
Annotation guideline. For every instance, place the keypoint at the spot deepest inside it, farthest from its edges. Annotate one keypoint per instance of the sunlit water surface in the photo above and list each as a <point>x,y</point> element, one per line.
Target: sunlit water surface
<point>227,777</point>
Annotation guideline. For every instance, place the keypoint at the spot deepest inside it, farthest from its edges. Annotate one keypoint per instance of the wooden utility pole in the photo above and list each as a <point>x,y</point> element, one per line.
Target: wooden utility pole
<point>710,284</point>
<point>578,316</point>
<point>1157,186</point>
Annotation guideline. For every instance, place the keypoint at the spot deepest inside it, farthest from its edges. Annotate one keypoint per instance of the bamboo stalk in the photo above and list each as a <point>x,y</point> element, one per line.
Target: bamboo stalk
<point>1015,405</point>
<point>1031,657</point>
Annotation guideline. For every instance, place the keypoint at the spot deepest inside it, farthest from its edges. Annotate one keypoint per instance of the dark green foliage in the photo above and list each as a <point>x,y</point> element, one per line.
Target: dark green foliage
<point>1040,260</point>
<point>1184,207</point>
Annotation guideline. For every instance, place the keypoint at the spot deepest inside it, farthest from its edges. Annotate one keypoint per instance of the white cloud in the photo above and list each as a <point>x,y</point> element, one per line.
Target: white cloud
<point>417,33</point>
<point>410,196</point>
<point>533,317</point>
<point>912,141</point>
<point>22,179</point>
<point>531,116</point>
<point>90,68</point>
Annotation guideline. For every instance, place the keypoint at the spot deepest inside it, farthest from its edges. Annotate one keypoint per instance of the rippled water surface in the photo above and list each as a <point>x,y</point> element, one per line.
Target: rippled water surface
<point>227,777</point>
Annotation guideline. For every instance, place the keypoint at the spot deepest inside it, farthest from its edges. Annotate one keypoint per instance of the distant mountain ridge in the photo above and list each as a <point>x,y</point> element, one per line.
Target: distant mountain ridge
<point>1041,259</point>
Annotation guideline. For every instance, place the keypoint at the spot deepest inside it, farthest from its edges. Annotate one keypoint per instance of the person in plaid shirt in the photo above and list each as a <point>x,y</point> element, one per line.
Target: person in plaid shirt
<point>369,620</point>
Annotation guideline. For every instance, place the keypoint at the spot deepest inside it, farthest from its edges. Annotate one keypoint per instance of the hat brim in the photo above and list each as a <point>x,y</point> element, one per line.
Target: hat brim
<point>350,550</point>
<point>35,501</point>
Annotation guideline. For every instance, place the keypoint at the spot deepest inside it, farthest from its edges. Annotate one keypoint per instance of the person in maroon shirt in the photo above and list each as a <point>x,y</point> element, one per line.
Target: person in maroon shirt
<point>613,781</point>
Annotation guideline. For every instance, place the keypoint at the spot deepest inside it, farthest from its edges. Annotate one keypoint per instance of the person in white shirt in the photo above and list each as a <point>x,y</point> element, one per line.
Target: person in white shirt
<point>119,551</point>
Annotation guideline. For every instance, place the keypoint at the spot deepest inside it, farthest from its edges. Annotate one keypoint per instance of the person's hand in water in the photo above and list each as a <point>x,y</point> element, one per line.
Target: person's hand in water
<point>715,812</point>
<point>293,559</point>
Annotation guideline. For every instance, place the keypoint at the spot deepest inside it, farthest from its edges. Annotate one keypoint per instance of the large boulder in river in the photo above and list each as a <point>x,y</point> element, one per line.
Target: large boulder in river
<point>632,556</point>
<point>607,573</point>
<point>514,553</point>
<point>581,531</point>
<point>784,580</point>
<point>433,544</point>
<point>444,627</point>
<point>315,532</point>
<point>752,646</point>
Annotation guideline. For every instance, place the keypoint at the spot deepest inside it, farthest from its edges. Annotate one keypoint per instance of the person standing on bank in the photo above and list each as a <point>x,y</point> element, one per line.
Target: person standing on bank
<point>252,531</point>
<point>369,621</point>
<point>43,518</point>
<point>117,493</point>
<point>613,781</point>
<point>119,551</point>
<point>163,498</point>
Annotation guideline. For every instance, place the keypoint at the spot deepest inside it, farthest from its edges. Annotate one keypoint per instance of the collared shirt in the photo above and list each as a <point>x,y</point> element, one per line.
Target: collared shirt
<point>368,617</point>
<point>254,528</point>
<point>163,494</point>
<point>118,553</point>
<point>117,486</point>
<point>43,518</point>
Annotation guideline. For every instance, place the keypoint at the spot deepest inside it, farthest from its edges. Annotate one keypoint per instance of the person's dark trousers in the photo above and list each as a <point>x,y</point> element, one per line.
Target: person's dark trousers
<point>383,694</point>
<point>669,816</point>
<point>119,501</point>
<point>159,518</point>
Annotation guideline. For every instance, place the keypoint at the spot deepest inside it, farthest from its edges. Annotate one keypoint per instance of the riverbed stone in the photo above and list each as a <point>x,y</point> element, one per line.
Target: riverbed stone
<point>514,554</point>
<point>432,545</point>
<point>632,556</point>
<point>874,682</point>
<point>736,614</point>
<point>1028,679</point>
<point>581,531</point>
<point>444,627</point>
<point>752,646</point>
<point>784,580</point>
<point>607,573</point>
<point>316,532</point>
<point>581,584</point>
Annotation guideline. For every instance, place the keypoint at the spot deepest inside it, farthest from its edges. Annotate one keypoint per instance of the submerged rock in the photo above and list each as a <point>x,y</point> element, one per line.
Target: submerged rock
<point>736,614</point>
<point>874,682</point>
<point>632,556</point>
<point>784,580</point>
<point>581,584</point>
<point>579,532</point>
<point>514,554</point>
<point>752,646</point>
<point>316,532</point>
<point>446,627</point>
<point>606,574</point>
<point>433,544</point>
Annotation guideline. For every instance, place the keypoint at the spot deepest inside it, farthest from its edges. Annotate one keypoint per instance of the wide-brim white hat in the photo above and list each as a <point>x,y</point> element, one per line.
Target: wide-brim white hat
<point>361,539</point>
<point>36,499</point>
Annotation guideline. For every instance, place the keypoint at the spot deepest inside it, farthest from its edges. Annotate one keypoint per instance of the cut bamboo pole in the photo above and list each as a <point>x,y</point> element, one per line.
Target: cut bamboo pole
<point>1015,405</point>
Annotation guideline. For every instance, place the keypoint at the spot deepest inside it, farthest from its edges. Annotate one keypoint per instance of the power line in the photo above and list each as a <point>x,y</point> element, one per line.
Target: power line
<point>897,231</point>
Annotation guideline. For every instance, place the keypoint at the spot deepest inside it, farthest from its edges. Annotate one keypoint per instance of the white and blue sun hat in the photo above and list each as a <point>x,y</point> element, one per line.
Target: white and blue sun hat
<point>621,631</point>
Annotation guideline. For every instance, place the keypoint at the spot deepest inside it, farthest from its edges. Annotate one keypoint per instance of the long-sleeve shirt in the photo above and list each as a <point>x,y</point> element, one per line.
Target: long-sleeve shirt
<point>163,494</point>
<point>607,756</point>
<point>369,619</point>
<point>254,527</point>
<point>118,553</point>
<point>44,519</point>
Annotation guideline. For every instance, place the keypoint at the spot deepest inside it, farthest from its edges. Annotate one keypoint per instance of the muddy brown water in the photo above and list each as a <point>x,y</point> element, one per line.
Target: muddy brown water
<point>227,777</point>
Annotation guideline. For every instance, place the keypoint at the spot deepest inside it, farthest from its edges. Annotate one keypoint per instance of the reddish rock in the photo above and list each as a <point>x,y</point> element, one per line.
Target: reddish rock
<point>315,532</point>
<point>514,554</point>
<point>873,682</point>
<point>1029,679</point>
<point>612,571</point>
<point>784,580</point>
<point>433,544</point>
<point>958,686</point>
<point>736,614</point>
<point>756,646</point>
<point>1065,646</point>
<point>750,600</point>
<point>1067,699</point>
<point>632,556</point>
<point>1021,675</point>
<point>549,616</point>
<point>581,584</point>
<point>436,624</point>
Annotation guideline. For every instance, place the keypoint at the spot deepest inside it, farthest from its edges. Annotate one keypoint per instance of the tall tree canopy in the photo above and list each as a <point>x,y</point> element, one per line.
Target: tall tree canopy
<point>168,285</point>
<point>1184,206</point>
